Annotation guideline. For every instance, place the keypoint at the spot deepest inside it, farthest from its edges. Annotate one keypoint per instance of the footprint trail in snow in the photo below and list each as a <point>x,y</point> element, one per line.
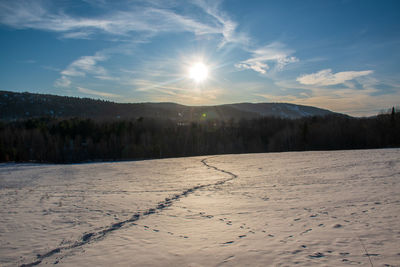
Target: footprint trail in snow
<point>167,202</point>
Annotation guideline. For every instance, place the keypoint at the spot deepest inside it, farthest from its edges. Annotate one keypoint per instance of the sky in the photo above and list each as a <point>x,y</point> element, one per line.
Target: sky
<point>341,55</point>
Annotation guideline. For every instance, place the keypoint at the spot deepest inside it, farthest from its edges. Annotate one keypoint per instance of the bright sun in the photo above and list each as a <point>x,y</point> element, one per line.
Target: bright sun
<point>198,72</point>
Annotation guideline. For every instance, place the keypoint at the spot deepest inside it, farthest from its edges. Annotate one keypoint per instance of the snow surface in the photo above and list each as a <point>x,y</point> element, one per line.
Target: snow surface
<point>334,208</point>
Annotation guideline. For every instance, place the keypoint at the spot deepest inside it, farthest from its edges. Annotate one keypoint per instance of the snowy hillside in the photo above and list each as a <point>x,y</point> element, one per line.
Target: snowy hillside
<point>281,110</point>
<point>335,208</point>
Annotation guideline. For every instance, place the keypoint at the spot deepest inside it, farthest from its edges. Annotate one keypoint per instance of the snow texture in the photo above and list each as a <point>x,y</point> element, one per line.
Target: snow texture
<point>334,208</point>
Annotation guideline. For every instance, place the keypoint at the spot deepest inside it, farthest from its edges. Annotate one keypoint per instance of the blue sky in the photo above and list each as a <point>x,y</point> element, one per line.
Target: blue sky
<point>339,55</point>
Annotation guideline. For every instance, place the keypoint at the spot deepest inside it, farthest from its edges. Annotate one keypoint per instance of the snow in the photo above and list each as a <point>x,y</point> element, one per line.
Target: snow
<point>301,112</point>
<point>334,208</point>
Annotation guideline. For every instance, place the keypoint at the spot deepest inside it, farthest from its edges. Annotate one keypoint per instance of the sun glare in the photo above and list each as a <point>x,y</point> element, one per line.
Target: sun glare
<point>198,72</point>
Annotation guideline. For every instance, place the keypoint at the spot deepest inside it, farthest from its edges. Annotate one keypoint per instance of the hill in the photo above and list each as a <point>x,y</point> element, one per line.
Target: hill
<point>15,105</point>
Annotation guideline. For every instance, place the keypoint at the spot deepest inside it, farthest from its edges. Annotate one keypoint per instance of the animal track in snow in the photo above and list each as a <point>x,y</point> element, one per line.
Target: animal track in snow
<point>167,202</point>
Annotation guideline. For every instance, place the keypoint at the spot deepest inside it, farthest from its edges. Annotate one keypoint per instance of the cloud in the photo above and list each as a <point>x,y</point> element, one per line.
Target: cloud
<point>78,35</point>
<point>256,66</point>
<point>143,85</point>
<point>227,26</point>
<point>97,93</point>
<point>275,54</point>
<point>63,82</point>
<point>82,66</point>
<point>364,100</point>
<point>85,64</point>
<point>353,102</point>
<point>349,101</point>
<point>150,18</point>
<point>326,77</point>
<point>179,91</point>
<point>278,98</point>
<point>107,78</point>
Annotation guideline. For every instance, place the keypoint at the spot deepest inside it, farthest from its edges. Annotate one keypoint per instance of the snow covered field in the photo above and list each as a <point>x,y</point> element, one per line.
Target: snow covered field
<point>334,208</point>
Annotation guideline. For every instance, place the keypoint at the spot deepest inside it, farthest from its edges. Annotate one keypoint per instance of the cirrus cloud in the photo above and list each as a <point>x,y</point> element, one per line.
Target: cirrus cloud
<point>80,67</point>
<point>143,18</point>
<point>275,53</point>
<point>97,93</point>
<point>326,77</point>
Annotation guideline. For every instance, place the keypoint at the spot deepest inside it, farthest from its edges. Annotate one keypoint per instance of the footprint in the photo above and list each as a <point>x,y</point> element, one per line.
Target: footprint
<point>150,211</point>
<point>306,231</point>
<point>230,257</point>
<point>316,255</point>
<point>372,254</point>
<point>87,236</point>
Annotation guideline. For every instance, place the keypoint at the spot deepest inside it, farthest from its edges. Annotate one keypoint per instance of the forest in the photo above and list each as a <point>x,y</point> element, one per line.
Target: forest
<point>56,140</point>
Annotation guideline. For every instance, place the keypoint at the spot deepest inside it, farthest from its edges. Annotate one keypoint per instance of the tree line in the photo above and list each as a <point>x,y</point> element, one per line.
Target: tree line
<point>79,140</point>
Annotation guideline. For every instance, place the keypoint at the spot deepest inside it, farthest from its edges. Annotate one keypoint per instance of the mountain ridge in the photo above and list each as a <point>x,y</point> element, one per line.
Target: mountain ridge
<point>15,105</point>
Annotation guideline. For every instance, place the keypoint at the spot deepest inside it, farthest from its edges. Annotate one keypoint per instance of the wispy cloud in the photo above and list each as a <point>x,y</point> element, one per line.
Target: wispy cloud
<point>180,91</point>
<point>326,77</point>
<point>278,98</point>
<point>274,54</point>
<point>107,78</point>
<point>97,93</point>
<point>63,81</point>
<point>365,99</point>
<point>350,101</point>
<point>24,14</point>
<point>85,64</point>
<point>82,66</point>
<point>209,96</point>
<point>78,35</point>
<point>227,26</point>
<point>143,85</point>
<point>256,66</point>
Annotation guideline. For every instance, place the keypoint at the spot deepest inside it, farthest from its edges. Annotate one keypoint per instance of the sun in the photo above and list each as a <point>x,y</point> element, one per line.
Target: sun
<point>198,72</point>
